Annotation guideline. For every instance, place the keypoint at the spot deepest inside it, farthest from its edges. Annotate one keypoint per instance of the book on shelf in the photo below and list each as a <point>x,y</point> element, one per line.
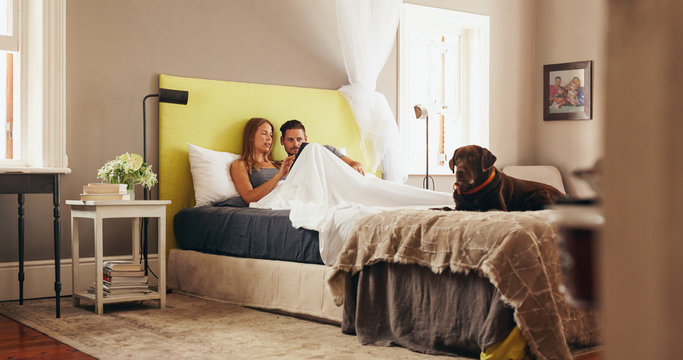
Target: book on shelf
<point>96,197</point>
<point>98,188</point>
<point>122,277</point>
<point>121,265</point>
<point>123,273</point>
<point>106,292</point>
<point>128,291</point>
<point>124,280</point>
<point>110,288</point>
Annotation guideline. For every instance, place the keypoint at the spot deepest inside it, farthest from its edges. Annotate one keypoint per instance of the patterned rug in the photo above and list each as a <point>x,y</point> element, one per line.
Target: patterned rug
<point>193,328</point>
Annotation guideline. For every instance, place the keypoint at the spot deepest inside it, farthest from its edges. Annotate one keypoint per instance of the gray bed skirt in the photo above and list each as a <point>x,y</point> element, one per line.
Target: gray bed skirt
<point>410,306</point>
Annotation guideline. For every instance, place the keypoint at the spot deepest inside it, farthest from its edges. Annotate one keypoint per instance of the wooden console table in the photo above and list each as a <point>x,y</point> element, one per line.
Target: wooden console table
<point>35,181</point>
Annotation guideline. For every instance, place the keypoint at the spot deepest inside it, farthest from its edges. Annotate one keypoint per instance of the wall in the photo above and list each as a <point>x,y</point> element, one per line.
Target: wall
<point>568,32</point>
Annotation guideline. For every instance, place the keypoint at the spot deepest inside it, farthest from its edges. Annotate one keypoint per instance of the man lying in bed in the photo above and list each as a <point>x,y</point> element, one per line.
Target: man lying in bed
<point>294,134</point>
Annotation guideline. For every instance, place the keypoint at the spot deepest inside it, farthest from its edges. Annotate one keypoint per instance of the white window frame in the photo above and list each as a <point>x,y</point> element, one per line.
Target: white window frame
<point>469,109</point>
<point>11,42</point>
<point>42,123</point>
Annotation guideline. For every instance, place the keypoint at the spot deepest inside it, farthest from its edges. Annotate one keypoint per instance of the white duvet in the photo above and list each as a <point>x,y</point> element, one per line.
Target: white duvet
<point>328,196</point>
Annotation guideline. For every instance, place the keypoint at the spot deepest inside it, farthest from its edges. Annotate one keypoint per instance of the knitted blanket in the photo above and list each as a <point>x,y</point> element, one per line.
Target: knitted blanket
<point>517,251</point>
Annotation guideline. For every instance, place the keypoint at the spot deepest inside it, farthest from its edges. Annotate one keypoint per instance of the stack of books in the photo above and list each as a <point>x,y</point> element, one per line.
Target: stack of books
<point>105,192</point>
<point>122,277</point>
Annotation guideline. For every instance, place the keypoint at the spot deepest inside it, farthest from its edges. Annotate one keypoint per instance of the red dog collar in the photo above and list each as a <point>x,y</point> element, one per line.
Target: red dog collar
<point>483,185</point>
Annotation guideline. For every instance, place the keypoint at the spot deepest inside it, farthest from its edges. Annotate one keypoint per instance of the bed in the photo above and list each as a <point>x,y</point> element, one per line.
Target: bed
<point>295,281</point>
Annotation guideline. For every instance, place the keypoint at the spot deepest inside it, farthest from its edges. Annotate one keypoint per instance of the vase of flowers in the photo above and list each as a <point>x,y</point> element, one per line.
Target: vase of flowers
<point>128,169</point>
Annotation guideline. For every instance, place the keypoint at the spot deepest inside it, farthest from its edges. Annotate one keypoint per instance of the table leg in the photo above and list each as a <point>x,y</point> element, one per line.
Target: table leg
<point>75,260</point>
<point>57,236</point>
<point>145,252</point>
<point>20,200</point>
<point>98,266</point>
<point>136,240</point>
<point>161,225</point>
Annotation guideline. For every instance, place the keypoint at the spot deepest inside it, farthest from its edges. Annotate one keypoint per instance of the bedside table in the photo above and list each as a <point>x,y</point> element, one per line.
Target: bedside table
<point>108,209</point>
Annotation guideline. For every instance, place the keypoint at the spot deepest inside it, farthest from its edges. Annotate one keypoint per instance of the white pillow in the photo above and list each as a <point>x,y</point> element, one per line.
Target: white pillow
<point>211,174</point>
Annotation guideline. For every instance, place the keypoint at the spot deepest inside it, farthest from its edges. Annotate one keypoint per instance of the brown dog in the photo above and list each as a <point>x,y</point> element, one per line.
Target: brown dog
<point>479,186</point>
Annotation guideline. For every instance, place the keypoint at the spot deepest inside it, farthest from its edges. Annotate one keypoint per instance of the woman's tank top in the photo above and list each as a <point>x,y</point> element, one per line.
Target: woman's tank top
<point>257,178</point>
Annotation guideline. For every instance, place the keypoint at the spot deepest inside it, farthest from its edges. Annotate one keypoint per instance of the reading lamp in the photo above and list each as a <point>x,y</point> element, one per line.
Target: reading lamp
<point>421,113</point>
<point>165,96</point>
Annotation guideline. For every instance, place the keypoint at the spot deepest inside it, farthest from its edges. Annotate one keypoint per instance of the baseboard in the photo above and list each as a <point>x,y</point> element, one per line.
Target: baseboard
<point>39,276</point>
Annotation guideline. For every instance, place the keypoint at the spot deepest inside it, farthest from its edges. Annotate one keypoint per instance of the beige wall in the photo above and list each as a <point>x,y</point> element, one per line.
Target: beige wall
<point>568,32</point>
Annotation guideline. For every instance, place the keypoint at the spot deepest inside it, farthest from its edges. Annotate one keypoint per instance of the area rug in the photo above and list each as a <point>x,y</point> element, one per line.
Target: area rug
<point>194,328</point>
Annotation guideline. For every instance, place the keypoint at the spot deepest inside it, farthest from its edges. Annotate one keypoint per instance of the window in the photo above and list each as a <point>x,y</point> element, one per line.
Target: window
<point>443,65</point>
<point>9,76</point>
<point>32,68</point>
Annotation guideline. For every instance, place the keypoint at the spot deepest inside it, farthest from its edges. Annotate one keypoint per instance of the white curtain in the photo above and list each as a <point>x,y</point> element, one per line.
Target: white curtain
<point>367,30</point>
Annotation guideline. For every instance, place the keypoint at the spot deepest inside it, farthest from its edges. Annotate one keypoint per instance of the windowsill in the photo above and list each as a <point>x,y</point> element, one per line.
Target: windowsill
<point>433,171</point>
<point>430,174</point>
<point>33,170</point>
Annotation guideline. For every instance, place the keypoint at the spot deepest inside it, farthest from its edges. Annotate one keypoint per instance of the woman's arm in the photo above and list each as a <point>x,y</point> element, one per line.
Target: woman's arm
<point>240,176</point>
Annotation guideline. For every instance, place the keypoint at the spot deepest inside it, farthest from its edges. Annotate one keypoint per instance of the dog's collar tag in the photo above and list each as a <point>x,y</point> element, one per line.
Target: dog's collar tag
<point>483,185</point>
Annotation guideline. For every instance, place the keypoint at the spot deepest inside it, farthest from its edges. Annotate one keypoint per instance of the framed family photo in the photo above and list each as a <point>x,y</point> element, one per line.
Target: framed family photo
<point>568,91</point>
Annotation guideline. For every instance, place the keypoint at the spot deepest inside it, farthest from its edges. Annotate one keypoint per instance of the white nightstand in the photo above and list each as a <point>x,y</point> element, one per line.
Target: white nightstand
<point>107,209</point>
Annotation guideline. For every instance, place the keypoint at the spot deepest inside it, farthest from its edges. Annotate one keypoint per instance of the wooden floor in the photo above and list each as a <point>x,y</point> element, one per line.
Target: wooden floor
<point>21,342</point>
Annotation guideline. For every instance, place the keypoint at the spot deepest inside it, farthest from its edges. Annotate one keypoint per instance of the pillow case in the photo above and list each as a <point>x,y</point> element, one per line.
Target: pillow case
<point>211,174</point>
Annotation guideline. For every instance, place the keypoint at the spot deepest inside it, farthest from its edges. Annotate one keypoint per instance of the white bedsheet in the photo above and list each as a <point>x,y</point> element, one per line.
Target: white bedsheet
<point>327,195</point>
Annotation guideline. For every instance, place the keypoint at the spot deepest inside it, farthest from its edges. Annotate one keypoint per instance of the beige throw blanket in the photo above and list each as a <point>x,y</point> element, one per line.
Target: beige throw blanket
<point>516,251</point>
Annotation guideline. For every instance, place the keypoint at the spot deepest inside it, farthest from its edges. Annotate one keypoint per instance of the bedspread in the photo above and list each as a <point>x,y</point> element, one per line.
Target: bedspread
<point>328,196</point>
<point>517,251</point>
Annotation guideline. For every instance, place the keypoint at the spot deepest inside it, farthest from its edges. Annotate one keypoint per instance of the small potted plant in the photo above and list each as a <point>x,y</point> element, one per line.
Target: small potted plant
<point>128,169</point>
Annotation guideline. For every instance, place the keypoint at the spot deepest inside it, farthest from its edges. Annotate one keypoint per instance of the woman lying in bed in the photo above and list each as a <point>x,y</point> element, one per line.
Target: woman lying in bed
<point>256,174</point>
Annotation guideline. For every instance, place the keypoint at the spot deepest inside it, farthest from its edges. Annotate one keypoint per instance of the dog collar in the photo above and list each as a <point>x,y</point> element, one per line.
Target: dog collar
<point>483,185</point>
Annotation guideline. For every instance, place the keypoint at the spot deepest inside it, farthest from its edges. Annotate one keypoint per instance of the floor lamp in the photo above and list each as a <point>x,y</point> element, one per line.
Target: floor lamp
<point>165,96</point>
<point>421,113</point>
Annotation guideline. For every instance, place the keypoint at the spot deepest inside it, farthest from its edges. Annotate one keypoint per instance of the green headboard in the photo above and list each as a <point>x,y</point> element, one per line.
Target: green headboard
<point>215,115</point>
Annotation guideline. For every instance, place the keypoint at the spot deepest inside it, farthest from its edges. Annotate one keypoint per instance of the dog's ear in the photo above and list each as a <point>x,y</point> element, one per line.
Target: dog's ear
<point>451,163</point>
<point>487,159</point>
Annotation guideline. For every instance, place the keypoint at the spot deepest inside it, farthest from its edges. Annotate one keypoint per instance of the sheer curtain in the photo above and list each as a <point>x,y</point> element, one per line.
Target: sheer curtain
<point>367,30</point>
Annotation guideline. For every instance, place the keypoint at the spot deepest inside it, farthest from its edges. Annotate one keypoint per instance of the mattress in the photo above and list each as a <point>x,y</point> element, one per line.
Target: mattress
<point>245,232</point>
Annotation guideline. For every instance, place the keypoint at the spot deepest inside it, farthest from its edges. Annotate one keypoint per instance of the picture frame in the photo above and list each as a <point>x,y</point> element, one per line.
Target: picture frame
<point>568,91</point>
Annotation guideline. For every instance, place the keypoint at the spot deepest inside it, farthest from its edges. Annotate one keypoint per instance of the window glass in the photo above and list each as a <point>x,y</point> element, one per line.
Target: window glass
<point>5,17</point>
<point>9,83</point>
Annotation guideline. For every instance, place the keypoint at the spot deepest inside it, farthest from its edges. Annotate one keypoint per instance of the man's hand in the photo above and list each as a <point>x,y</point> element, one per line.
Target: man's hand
<point>354,164</point>
<point>358,167</point>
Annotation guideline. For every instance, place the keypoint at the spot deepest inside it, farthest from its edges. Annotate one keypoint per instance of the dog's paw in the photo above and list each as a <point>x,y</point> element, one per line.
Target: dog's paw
<point>445,208</point>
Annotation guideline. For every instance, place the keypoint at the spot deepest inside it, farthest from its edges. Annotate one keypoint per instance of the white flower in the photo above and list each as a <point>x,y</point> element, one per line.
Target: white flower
<point>128,169</point>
